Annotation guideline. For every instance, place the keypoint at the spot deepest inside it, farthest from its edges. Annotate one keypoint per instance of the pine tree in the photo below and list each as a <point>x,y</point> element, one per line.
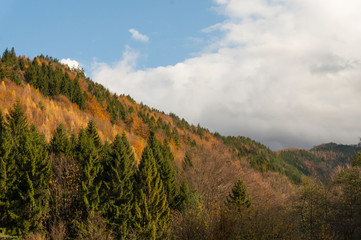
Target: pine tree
<point>238,197</point>
<point>151,209</point>
<point>117,187</point>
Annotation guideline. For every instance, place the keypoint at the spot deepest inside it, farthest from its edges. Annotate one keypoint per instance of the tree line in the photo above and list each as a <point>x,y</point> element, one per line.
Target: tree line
<point>76,178</point>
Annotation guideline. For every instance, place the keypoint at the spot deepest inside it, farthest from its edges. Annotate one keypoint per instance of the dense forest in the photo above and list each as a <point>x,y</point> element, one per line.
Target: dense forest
<point>80,162</point>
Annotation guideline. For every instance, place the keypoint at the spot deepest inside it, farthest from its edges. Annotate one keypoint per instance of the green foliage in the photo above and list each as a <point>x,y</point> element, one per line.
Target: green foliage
<point>51,81</point>
<point>92,133</point>
<point>348,210</point>
<point>165,166</point>
<point>115,108</point>
<point>187,162</point>
<point>238,197</point>
<point>261,157</point>
<point>9,57</point>
<point>28,190</point>
<point>151,209</point>
<point>117,198</point>
<point>336,154</point>
<point>88,157</point>
<point>60,144</point>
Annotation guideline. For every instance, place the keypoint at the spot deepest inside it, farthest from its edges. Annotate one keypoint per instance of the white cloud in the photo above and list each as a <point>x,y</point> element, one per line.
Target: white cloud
<point>136,35</point>
<point>287,73</point>
<point>73,64</point>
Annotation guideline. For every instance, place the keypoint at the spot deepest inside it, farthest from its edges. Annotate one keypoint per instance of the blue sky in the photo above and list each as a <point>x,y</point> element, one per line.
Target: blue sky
<point>286,73</point>
<point>88,30</point>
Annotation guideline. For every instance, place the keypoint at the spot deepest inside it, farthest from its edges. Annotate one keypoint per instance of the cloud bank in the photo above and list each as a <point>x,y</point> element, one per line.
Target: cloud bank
<point>138,36</point>
<point>71,63</point>
<point>286,73</point>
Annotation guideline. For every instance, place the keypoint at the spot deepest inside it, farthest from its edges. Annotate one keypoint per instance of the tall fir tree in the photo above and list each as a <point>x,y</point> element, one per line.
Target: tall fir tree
<point>117,187</point>
<point>151,208</point>
<point>59,143</point>
<point>8,172</point>
<point>88,157</point>
<point>164,162</point>
<point>29,194</point>
<point>92,132</point>
<point>238,197</point>
<point>169,175</point>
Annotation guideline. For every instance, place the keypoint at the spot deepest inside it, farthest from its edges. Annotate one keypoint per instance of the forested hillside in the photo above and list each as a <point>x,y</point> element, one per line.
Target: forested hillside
<point>80,162</point>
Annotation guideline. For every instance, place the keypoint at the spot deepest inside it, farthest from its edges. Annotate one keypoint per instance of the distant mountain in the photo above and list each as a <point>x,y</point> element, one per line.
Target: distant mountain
<point>322,161</point>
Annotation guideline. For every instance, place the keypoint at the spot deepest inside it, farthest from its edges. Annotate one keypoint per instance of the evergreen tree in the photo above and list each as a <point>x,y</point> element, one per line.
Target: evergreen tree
<point>30,189</point>
<point>31,75</point>
<point>238,197</point>
<point>129,151</point>
<point>88,158</point>
<point>164,162</point>
<point>92,132</point>
<point>183,198</point>
<point>77,96</point>
<point>8,172</point>
<point>151,209</point>
<point>60,141</point>
<point>187,162</point>
<point>117,187</point>
<point>169,175</point>
<point>9,57</point>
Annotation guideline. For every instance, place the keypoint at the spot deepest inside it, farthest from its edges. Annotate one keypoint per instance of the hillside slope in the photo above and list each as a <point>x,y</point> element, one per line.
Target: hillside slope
<point>321,162</point>
<point>51,94</point>
<point>74,153</point>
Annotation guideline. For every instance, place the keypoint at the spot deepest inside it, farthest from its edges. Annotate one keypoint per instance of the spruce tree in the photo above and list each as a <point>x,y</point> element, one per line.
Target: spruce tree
<point>151,209</point>
<point>117,187</point>
<point>129,151</point>
<point>238,197</point>
<point>183,198</point>
<point>164,162</point>
<point>60,144</point>
<point>8,172</point>
<point>88,157</point>
<point>92,132</point>
<point>169,175</point>
<point>29,194</point>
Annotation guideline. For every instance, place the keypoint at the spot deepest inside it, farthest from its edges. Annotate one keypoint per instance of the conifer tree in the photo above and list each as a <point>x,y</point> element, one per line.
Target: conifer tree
<point>151,209</point>
<point>29,194</point>
<point>117,187</point>
<point>77,96</point>
<point>164,162</point>
<point>8,171</point>
<point>60,141</point>
<point>129,151</point>
<point>88,158</point>
<point>168,175</point>
<point>92,132</point>
<point>238,197</point>
<point>183,198</point>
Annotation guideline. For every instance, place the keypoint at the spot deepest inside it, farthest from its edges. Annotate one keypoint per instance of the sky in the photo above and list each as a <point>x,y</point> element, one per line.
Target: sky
<point>286,73</point>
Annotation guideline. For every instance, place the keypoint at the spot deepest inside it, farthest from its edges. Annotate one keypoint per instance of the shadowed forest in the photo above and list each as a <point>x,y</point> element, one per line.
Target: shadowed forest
<point>80,162</point>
